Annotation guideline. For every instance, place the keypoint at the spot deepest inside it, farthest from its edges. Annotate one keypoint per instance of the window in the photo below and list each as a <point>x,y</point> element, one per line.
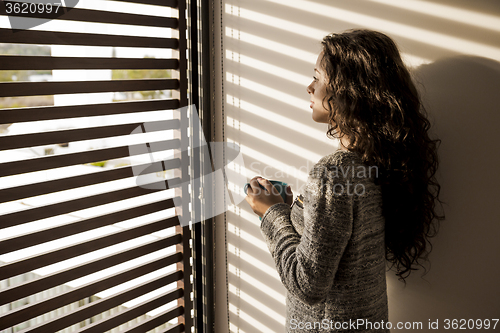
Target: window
<point>83,247</point>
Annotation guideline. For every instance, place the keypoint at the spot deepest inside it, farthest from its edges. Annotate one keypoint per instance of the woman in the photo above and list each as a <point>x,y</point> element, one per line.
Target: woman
<point>370,202</point>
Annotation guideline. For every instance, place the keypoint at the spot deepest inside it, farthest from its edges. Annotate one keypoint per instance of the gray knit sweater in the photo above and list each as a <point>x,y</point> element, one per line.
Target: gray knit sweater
<point>329,252</point>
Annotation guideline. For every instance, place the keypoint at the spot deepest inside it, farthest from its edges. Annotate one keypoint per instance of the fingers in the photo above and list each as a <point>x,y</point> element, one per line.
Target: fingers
<point>262,194</point>
<point>267,185</point>
<point>254,187</point>
<point>258,183</point>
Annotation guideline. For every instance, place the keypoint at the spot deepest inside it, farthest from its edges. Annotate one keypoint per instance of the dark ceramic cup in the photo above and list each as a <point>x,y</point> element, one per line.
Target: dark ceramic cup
<point>280,186</point>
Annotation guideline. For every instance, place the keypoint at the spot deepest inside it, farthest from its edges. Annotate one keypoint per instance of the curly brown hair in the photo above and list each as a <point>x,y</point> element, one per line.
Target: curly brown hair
<point>374,104</point>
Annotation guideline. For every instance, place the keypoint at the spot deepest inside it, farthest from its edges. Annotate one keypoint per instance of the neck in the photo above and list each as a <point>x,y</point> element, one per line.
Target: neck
<point>343,143</point>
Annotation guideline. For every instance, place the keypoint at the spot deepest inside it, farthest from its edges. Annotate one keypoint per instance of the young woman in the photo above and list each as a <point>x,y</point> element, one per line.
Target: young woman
<point>369,203</point>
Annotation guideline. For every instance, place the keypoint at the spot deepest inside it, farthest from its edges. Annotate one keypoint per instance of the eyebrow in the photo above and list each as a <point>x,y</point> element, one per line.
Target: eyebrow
<point>316,70</point>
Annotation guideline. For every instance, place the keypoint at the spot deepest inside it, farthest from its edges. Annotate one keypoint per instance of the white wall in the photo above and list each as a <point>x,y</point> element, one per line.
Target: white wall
<point>454,51</point>
<point>462,96</point>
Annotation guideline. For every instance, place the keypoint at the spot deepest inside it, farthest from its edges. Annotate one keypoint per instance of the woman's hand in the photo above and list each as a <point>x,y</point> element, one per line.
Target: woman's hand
<point>260,200</point>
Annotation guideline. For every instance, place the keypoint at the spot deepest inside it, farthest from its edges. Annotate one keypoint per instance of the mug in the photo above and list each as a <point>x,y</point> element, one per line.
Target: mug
<point>280,187</point>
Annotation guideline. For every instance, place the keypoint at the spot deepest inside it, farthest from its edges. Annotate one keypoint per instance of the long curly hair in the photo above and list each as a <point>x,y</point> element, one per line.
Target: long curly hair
<point>374,104</point>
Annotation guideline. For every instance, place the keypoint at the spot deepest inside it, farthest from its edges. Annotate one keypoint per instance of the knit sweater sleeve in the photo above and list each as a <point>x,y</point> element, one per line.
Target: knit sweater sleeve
<point>307,264</point>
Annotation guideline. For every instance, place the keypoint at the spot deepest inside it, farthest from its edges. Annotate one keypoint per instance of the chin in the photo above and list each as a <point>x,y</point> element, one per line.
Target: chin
<point>320,118</point>
<point>316,120</point>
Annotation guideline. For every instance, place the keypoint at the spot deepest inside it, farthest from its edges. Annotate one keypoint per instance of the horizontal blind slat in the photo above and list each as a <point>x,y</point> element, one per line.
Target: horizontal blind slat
<point>97,16</point>
<point>65,230</point>
<point>35,309</point>
<point>13,89</point>
<point>19,62</point>
<point>68,252</point>
<point>136,311</point>
<point>96,155</point>
<point>157,320</point>
<point>31,190</point>
<point>105,304</point>
<point>19,36</point>
<point>90,133</point>
<point>166,3</point>
<point>75,111</point>
<point>177,328</point>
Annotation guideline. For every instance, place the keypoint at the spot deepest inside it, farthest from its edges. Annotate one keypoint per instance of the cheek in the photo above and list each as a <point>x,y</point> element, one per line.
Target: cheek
<point>322,92</point>
<point>318,95</point>
<point>322,104</point>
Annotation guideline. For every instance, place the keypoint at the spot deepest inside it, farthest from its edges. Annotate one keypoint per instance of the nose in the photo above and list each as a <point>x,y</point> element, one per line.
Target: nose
<point>310,89</point>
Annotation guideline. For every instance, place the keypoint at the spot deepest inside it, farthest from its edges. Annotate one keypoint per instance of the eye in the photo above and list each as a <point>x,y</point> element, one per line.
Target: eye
<point>315,78</point>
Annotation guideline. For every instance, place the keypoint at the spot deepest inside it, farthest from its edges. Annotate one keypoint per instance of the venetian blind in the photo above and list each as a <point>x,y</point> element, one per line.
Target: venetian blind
<point>83,247</point>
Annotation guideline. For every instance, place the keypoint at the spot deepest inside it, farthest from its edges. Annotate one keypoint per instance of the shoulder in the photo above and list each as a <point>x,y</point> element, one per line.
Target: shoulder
<point>343,173</point>
<point>330,177</point>
<point>341,158</point>
<point>339,164</point>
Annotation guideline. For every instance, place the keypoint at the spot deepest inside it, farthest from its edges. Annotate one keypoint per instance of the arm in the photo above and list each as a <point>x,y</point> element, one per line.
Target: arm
<point>307,264</point>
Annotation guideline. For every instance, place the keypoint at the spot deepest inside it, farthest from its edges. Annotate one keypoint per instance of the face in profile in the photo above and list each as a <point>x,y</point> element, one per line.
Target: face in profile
<point>317,92</point>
